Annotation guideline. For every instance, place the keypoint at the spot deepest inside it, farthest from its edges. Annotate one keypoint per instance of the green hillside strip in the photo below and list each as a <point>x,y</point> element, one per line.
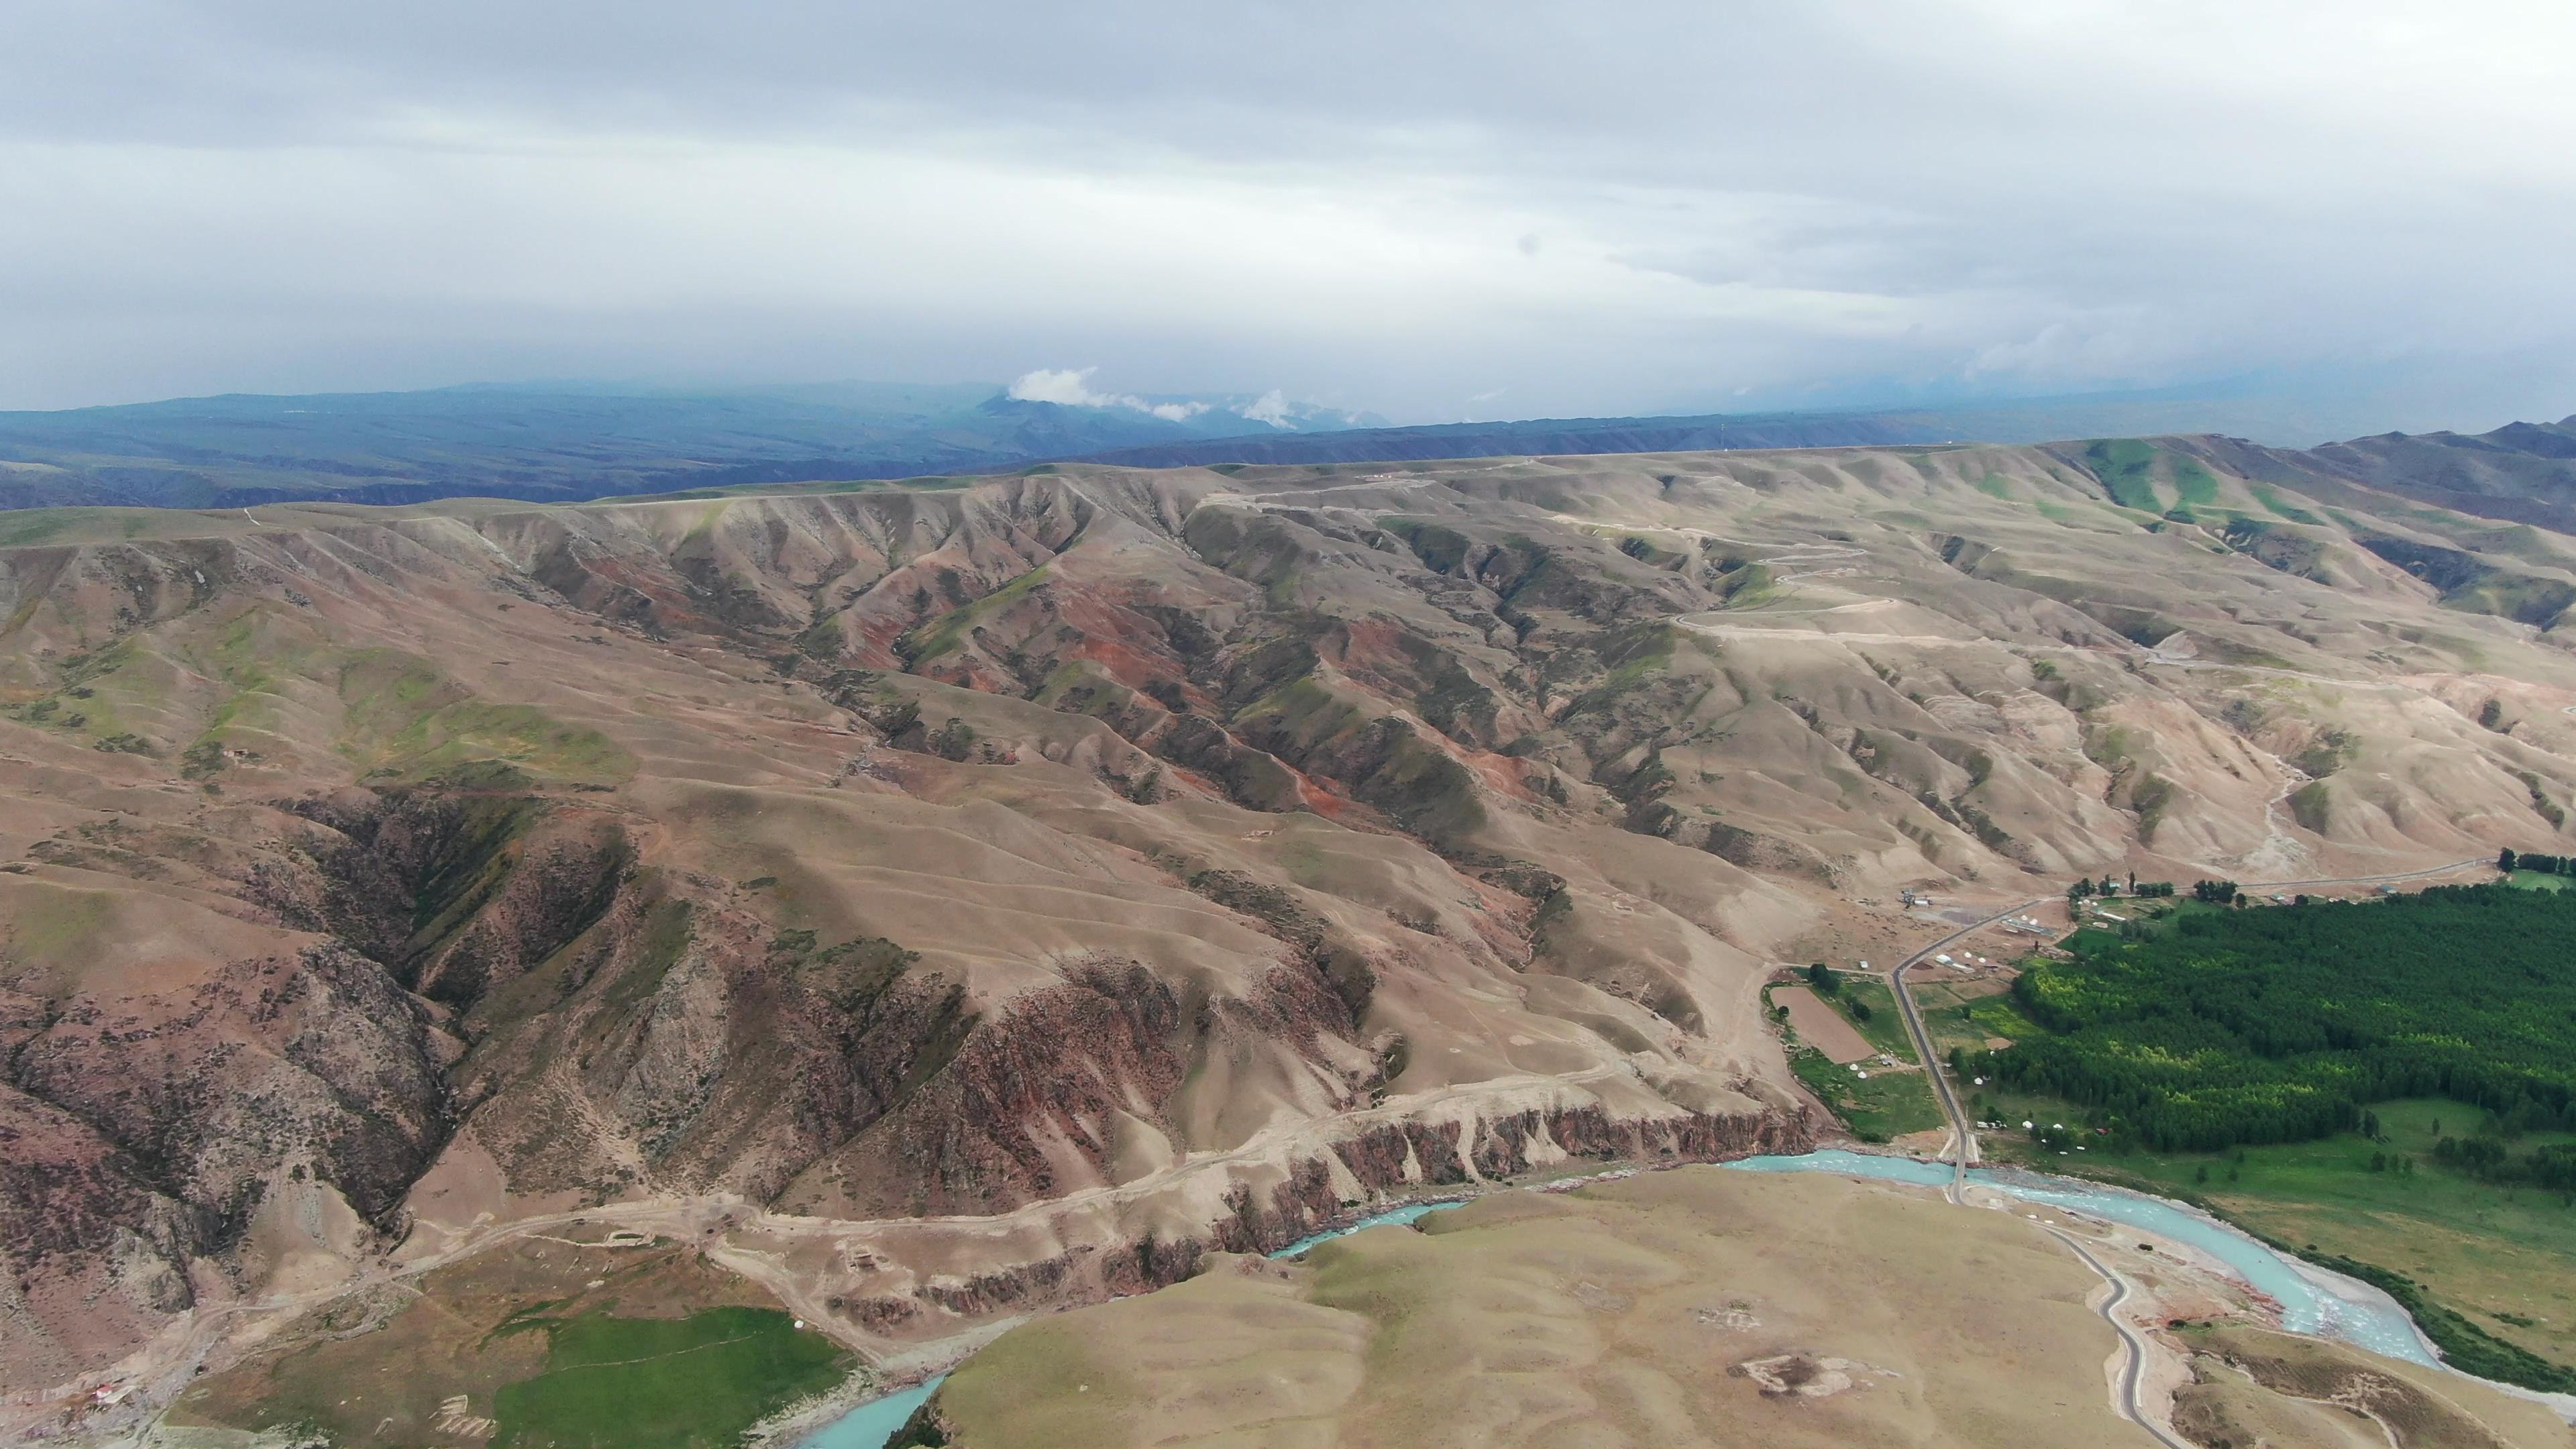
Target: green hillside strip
<point>2125,466</point>
<point>2197,485</point>
<point>405,720</point>
<point>2468,582</point>
<point>651,1383</point>
<point>2270,497</point>
<point>951,630</point>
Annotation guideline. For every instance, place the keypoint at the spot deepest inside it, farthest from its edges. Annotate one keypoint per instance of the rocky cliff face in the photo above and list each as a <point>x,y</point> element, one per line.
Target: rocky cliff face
<point>1143,863</point>
<point>146,1128</point>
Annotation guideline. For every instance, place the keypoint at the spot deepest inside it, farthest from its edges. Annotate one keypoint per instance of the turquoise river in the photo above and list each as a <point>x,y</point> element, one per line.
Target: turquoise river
<point>2311,1302</point>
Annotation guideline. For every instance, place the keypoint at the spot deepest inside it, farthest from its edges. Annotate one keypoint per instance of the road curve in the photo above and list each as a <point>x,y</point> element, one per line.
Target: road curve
<point>2133,1375</point>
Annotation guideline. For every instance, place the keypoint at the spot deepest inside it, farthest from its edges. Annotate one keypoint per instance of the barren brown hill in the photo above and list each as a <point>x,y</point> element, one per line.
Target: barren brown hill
<point>951,900</point>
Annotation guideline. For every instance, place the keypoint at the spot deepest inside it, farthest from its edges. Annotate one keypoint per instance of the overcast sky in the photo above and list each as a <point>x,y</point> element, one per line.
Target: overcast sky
<point>1433,210</point>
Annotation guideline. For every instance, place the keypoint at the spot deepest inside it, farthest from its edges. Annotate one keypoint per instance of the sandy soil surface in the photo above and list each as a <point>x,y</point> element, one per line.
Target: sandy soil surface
<point>1695,1307</point>
<point>1702,1307</point>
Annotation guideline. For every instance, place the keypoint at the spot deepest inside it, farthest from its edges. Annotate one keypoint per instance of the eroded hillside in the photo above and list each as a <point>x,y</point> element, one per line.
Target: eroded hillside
<point>949,900</point>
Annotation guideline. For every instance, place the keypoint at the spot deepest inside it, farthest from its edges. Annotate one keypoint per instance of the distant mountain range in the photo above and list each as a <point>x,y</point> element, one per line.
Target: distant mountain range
<point>2521,472</point>
<point>567,443</point>
<point>1548,437</point>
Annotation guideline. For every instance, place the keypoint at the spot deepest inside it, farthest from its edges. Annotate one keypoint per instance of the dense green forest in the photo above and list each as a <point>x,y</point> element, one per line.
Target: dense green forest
<point>2280,1024</point>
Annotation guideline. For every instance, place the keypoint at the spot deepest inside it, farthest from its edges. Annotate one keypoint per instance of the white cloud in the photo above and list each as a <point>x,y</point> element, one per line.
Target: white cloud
<point>1071,386</point>
<point>1271,407</point>
<point>1068,386</point>
<point>2005,194</point>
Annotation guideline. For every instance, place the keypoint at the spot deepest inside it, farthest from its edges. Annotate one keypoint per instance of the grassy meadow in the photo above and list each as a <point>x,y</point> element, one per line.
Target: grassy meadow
<point>1884,1104</point>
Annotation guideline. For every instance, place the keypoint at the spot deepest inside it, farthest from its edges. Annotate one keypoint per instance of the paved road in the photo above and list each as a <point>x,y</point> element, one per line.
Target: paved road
<point>2133,1376</point>
<point>1963,1141</point>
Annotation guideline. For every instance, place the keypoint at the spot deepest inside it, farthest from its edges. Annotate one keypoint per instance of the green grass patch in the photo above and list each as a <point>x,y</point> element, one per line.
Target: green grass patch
<point>1747,586</point>
<point>1635,656</point>
<point>2270,497</point>
<point>1969,1025</point>
<point>661,1383</point>
<point>949,630</point>
<point>2532,880</point>
<point>35,526</point>
<point>403,719</point>
<point>1877,1108</point>
<point>2126,467</point>
<point>1870,1007</point>
<point>2500,1256</point>
<point>2197,485</point>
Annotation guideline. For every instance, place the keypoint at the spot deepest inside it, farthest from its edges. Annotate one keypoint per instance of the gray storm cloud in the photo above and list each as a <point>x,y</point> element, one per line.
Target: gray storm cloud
<point>1604,209</point>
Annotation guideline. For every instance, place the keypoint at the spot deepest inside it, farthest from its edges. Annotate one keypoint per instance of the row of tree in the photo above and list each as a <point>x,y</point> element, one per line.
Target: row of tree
<point>2489,1160</point>
<point>2510,861</point>
<point>2107,887</point>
